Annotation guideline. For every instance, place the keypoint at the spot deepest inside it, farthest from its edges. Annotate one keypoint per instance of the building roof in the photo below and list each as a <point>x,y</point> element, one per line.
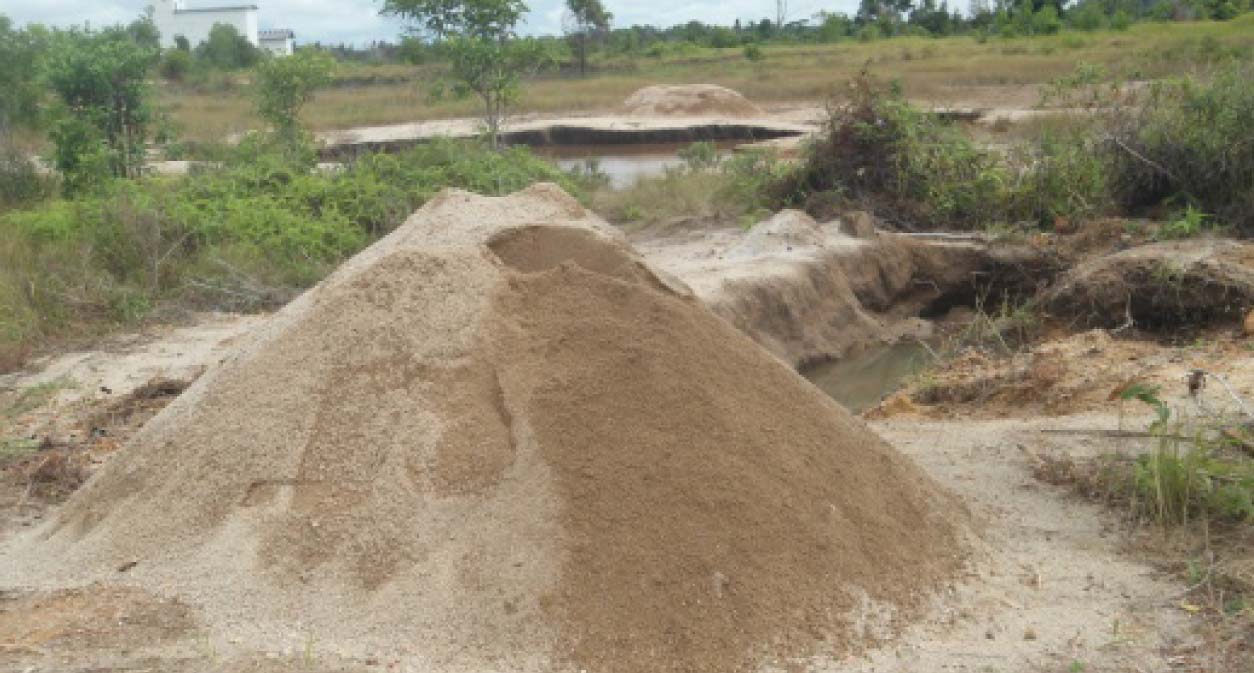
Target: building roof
<point>276,34</point>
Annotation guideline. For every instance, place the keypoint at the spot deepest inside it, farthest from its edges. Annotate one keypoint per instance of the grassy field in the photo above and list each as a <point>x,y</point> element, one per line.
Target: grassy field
<point>957,71</point>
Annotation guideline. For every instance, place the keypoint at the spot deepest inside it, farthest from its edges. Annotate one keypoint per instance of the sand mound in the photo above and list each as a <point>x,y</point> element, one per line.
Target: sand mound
<point>784,232</point>
<point>690,99</point>
<point>497,440</point>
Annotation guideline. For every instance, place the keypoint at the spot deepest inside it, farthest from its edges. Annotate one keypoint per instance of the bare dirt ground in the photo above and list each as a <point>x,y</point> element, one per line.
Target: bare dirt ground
<point>1056,584</point>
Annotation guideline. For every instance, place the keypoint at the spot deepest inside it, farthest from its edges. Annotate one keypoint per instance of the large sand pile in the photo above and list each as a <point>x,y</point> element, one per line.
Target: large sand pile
<point>496,440</point>
<point>690,99</point>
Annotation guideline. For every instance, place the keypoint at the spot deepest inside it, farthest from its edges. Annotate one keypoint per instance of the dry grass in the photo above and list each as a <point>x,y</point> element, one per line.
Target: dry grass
<point>949,71</point>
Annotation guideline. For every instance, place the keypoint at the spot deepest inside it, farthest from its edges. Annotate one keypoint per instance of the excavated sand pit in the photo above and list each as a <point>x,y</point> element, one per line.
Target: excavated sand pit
<point>498,440</point>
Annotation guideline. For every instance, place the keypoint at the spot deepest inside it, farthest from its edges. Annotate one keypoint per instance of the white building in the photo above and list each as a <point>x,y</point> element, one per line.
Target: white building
<point>280,42</point>
<point>174,19</point>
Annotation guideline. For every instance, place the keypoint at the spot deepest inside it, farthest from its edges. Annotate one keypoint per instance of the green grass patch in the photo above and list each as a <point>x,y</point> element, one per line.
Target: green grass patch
<point>247,236</point>
<point>34,397</point>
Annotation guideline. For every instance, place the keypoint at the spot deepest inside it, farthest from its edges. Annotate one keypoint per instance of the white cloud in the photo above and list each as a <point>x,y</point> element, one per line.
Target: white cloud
<point>358,21</point>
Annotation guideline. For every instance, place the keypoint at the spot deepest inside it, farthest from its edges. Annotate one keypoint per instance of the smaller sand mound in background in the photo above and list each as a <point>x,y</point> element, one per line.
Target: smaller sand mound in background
<point>690,99</point>
<point>782,233</point>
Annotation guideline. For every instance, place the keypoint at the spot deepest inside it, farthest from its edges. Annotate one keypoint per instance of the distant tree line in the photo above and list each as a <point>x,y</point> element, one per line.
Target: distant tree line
<point>587,27</point>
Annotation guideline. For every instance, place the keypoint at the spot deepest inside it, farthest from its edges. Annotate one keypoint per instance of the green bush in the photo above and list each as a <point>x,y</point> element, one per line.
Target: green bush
<point>912,169</point>
<point>700,155</point>
<point>245,236</point>
<point>175,65</point>
<point>227,49</point>
<point>1189,141</point>
<point>1183,478</point>
<point>20,183</point>
<point>102,124</point>
<point>1061,175</point>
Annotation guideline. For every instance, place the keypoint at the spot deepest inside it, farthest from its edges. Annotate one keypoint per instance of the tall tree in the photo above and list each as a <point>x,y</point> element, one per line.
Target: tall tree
<point>585,21</point>
<point>284,86</point>
<point>227,49</point>
<point>480,38</point>
<point>102,81</point>
<point>22,57</point>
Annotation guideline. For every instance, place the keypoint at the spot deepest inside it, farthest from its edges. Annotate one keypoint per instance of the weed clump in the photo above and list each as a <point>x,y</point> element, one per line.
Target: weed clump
<point>878,153</point>
<point>917,171</point>
<point>706,187</point>
<point>1190,142</point>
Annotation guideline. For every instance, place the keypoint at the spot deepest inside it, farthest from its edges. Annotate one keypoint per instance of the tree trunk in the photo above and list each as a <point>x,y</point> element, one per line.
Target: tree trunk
<point>494,123</point>
<point>583,54</point>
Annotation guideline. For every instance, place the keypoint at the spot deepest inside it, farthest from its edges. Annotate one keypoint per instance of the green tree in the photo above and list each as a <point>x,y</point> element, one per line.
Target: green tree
<point>833,27</point>
<point>175,64</point>
<point>586,20</point>
<point>143,31</point>
<point>285,85</point>
<point>479,37</point>
<point>227,49</point>
<point>102,81</point>
<point>22,57</point>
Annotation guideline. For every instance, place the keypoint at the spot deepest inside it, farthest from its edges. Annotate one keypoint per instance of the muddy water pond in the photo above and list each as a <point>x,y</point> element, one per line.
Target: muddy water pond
<point>861,380</point>
<point>623,165</point>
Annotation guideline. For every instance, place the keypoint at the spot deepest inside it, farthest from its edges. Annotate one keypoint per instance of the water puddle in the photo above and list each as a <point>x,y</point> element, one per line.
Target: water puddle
<point>623,164</point>
<point>861,380</point>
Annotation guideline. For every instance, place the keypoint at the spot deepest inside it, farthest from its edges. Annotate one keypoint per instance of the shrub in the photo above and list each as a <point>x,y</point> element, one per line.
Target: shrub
<point>1189,141</point>
<point>244,236</point>
<point>1062,176</point>
<point>878,153</point>
<point>175,65</point>
<point>699,155</point>
<point>20,182</point>
<point>284,86</point>
<point>869,33</point>
<point>1187,224</point>
<point>226,49</point>
<point>753,52</point>
<point>1087,16</point>
<point>1181,478</point>
<point>1046,21</point>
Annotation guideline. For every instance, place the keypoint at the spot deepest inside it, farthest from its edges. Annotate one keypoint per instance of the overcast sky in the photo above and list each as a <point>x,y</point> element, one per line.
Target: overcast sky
<point>358,21</point>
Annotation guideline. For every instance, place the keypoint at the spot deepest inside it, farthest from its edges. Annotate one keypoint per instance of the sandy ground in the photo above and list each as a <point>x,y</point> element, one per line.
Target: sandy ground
<point>1053,587</point>
<point>1054,584</point>
<point>1051,583</point>
<point>122,364</point>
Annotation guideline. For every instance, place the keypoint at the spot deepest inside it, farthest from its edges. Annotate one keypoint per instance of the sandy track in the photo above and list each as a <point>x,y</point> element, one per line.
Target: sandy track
<point>1054,589</point>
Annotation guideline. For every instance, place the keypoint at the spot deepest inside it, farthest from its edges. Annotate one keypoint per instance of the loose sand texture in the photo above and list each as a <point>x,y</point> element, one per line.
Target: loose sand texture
<point>498,440</point>
<point>690,99</point>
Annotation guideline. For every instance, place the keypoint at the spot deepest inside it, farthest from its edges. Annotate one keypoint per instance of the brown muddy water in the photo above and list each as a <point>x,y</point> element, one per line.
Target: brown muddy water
<point>861,380</point>
<point>623,165</point>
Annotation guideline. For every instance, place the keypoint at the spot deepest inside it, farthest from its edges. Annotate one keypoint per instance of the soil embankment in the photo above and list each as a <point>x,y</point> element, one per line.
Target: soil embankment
<point>809,291</point>
<point>498,439</point>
